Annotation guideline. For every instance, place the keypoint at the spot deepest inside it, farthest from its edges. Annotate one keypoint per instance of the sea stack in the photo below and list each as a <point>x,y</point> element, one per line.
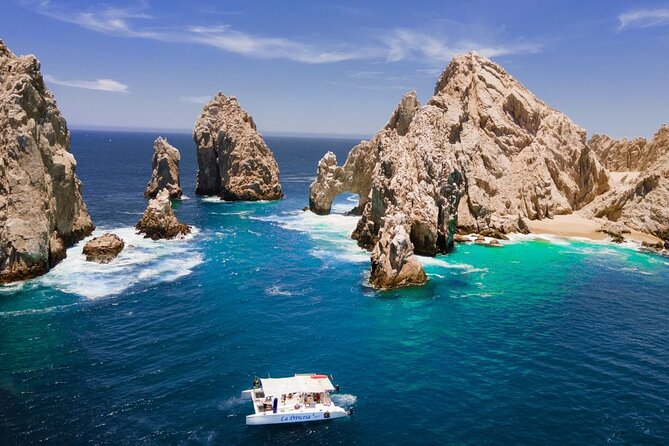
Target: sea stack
<point>103,249</point>
<point>165,170</point>
<point>42,211</point>
<point>158,221</point>
<point>484,154</point>
<point>233,160</point>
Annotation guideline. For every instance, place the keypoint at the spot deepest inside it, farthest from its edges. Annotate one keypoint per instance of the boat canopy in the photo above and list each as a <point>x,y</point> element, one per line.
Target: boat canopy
<point>297,384</point>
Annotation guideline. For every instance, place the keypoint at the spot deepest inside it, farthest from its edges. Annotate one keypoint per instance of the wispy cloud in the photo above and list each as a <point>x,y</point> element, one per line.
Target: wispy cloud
<point>407,44</point>
<point>196,99</point>
<point>393,46</point>
<point>98,84</point>
<point>646,18</point>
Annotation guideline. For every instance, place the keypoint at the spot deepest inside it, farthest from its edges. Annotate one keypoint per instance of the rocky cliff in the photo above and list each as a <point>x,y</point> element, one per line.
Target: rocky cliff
<point>234,161</point>
<point>483,154</point>
<point>41,208</point>
<point>164,170</point>
<point>639,199</point>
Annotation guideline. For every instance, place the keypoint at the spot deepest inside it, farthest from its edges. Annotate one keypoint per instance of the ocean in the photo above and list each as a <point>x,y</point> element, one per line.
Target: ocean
<point>542,341</point>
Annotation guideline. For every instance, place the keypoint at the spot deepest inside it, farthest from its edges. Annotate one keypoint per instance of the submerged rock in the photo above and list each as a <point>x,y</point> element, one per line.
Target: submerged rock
<point>159,221</point>
<point>42,211</point>
<point>234,161</point>
<point>393,261</point>
<point>103,249</point>
<point>165,170</point>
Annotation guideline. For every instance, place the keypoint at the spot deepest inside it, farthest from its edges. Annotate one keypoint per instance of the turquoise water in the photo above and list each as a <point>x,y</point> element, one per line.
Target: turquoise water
<point>537,342</point>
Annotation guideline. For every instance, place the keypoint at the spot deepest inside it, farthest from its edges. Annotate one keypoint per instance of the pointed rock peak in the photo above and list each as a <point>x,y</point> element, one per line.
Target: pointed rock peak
<point>463,68</point>
<point>404,113</point>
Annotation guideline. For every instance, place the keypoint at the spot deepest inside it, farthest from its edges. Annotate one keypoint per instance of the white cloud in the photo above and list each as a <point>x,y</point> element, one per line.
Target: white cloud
<point>196,99</point>
<point>98,84</point>
<point>393,46</point>
<point>643,18</point>
<point>406,44</point>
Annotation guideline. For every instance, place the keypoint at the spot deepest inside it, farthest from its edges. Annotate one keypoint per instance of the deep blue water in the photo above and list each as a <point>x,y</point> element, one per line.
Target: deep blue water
<point>539,342</point>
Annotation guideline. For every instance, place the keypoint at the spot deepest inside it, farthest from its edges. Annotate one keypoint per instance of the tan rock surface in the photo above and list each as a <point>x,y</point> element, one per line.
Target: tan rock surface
<point>165,170</point>
<point>642,202</point>
<point>41,208</point>
<point>393,261</point>
<point>159,221</point>
<point>234,161</point>
<point>484,153</point>
<point>103,249</point>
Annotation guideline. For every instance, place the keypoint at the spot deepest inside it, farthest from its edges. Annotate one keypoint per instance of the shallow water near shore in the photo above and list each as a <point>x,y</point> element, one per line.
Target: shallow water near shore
<point>541,341</point>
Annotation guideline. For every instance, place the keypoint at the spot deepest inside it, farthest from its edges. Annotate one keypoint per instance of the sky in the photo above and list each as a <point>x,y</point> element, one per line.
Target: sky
<point>338,68</point>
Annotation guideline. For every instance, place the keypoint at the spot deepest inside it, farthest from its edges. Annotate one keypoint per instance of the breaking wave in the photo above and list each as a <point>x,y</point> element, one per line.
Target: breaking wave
<point>141,261</point>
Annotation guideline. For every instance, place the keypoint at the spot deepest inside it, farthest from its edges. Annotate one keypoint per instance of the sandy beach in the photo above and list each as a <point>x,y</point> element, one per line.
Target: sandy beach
<point>574,225</point>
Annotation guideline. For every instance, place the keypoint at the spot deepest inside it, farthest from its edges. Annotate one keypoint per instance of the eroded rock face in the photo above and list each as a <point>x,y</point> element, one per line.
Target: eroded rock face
<point>623,155</point>
<point>234,161</point>
<point>41,208</point>
<point>159,221</point>
<point>484,153</point>
<point>393,261</point>
<point>103,249</point>
<point>165,170</point>
<point>642,201</point>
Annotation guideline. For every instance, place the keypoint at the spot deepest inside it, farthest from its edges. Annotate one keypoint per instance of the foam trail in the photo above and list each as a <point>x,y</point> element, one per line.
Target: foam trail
<point>344,399</point>
<point>142,260</point>
<point>332,232</point>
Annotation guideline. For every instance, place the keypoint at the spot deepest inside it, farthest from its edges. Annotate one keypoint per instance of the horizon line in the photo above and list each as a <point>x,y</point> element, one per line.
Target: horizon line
<point>279,133</point>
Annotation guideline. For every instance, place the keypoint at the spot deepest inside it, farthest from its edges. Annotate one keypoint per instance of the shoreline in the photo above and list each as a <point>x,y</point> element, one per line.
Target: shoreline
<point>574,225</point>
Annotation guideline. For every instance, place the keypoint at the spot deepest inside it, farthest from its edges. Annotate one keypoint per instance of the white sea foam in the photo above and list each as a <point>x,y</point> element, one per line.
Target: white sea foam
<point>344,399</point>
<point>276,290</point>
<point>441,263</point>
<point>218,200</point>
<point>142,260</point>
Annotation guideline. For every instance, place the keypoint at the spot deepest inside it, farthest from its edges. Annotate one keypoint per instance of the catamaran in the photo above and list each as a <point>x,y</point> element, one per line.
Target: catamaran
<point>297,399</point>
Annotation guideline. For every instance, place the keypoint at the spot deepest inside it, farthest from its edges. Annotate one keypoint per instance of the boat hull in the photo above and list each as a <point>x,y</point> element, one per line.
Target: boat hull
<point>294,417</point>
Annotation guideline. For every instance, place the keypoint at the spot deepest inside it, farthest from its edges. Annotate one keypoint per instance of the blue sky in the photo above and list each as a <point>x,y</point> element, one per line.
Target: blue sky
<point>339,67</point>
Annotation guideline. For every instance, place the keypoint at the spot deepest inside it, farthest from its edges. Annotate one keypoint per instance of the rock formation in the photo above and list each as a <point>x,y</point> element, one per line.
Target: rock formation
<point>103,249</point>
<point>483,154</point>
<point>234,161</point>
<point>159,221</point>
<point>41,208</point>
<point>165,170</point>
<point>640,198</point>
<point>393,261</point>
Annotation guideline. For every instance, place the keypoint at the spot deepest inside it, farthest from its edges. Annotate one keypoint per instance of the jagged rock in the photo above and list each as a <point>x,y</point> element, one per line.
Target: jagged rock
<point>459,238</point>
<point>484,152</point>
<point>393,261</point>
<point>165,170</point>
<point>41,208</point>
<point>234,161</point>
<point>103,249</point>
<point>642,202</point>
<point>636,155</point>
<point>159,221</point>
<point>493,233</point>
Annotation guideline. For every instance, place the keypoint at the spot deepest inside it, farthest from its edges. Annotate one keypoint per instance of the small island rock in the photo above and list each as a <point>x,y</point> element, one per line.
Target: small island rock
<point>159,221</point>
<point>165,170</point>
<point>233,160</point>
<point>103,249</point>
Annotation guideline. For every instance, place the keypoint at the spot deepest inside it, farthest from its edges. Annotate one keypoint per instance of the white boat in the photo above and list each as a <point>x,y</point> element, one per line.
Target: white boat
<point>298,399</point>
